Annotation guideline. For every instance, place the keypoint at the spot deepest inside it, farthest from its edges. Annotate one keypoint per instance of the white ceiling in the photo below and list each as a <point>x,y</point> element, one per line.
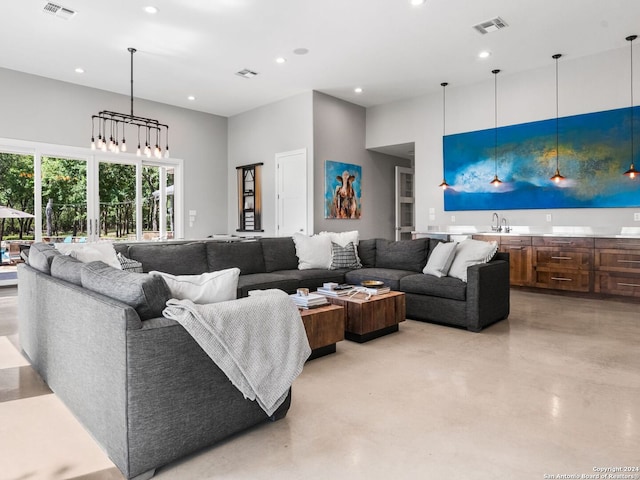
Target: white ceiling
<point>388,47</point>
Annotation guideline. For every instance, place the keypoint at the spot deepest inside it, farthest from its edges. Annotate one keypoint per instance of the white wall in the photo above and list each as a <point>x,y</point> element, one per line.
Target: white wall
<point>588,84</point>
<point>43,110</point>
<point>256,136</point>
<point>339,135</point>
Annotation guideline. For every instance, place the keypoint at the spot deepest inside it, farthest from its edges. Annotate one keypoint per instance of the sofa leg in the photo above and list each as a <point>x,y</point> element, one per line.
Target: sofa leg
<point>145,476</point>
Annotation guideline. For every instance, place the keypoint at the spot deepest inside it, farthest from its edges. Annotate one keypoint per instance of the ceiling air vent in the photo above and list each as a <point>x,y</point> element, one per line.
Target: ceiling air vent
<point>246,73</point>
<point>58,11</point>
<point>492,25</point>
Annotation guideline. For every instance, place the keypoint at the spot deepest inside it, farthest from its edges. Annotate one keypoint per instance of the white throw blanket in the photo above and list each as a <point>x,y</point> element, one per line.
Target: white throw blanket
<point>259,341</point>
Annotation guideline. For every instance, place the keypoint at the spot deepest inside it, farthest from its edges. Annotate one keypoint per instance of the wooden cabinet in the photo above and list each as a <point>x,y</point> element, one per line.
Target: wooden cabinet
<point>563,263</point>
<point>520,256</point>
<point>617,266</point>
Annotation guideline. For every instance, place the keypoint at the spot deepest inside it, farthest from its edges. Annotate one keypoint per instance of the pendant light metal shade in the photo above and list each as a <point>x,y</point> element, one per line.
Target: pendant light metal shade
<point>496,180</point>
<point>444,185</point>
<point>632,172</point>
<point>557,178</point>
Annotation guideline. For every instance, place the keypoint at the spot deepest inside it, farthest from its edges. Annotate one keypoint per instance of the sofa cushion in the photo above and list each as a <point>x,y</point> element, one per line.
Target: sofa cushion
<point>344,256</point>
<point>445,287</point>
<point>315,277</point>
<point>402,255</point>
<point>67,268</point>
<point>41,255</point>
<point>367,252</point>
<point>147,294</point>
<point>471,252</point>
<point>279,254</point>
<point>91,252</point>
<point>391,277</point>
<point>312,251</point>
<point>247,256</point>
<point>263,281</point>
<point>440,259</point>
<point>210,287</point>
<point>176,259</point>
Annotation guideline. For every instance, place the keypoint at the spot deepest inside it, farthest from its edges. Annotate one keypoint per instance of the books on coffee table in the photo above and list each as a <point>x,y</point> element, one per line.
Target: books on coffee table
<point>375,290</point>
<point>335,289</point>
<point>311,300</point>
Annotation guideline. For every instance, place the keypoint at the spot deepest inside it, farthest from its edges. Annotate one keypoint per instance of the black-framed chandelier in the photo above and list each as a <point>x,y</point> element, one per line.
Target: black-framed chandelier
<point>111,126</point>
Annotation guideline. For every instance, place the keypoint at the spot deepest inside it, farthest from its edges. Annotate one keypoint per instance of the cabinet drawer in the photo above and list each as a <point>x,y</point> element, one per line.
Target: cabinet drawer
<point>524,241</point>
<point>486,238</point>
<point>574,280</point>
<point>616,283</point>
<point>619,243</point>
<point>563,258</point>
<point>563,242</point>
<point>618,260</point>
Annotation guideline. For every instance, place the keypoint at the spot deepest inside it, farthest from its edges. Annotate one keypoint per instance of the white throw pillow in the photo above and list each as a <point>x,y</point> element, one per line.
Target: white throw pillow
<point>343,238</point>
<point>440,259</point>
<point>471,252</point>
<point>312,252</point>
<point>91,252</point>
<point>210,287</point>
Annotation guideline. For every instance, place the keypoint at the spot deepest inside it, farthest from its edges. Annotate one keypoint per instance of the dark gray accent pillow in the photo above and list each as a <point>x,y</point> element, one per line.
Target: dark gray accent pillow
<point>41,255</point>
<point>67,268</point>
<point>176,259</point>
<point>402,255</point>
<point>279,254</point>
<point>247,256</point>
<point>146,293</point>
<point>367,252</point>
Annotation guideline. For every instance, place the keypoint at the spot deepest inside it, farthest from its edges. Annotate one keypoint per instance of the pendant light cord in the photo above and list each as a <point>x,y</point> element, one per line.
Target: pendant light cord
<point>557,56</point>
<point>632,150</point>
<point>495,111</point>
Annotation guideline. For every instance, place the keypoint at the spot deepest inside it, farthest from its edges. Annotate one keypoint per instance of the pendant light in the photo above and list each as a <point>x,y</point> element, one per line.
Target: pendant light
<point>557,177</point>
<point>496,181</point>
<point>444,185</point>
<point>632,172</point>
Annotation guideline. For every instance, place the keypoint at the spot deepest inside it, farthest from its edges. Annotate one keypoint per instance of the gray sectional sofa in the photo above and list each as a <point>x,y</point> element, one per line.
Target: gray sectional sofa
<point>143,387</point>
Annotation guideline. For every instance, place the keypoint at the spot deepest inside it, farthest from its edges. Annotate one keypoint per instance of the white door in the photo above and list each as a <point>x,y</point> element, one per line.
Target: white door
<point>291,193</point>
<point>405,221</point>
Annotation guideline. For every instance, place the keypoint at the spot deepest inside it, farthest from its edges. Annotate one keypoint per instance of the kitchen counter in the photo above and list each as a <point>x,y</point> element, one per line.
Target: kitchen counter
<point>584,232</point>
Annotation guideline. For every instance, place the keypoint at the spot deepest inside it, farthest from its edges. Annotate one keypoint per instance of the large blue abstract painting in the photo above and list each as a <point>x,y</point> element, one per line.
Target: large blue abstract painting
<point>594,151</point>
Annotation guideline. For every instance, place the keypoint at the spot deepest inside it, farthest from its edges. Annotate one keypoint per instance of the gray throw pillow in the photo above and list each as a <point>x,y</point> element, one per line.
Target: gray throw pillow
<point>147,294</point>
<point>344,257</point>
<point>67,268</point>
<point>41,255</point>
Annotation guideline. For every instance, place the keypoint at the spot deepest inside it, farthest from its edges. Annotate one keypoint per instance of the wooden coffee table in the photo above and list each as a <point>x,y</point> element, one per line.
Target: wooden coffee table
<point>325,327</point>
<point>373,318</point>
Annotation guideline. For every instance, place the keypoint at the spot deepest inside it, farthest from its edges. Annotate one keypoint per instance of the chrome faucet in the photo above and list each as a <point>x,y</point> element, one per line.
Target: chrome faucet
<point>496,227</point>
<point>505,225</point>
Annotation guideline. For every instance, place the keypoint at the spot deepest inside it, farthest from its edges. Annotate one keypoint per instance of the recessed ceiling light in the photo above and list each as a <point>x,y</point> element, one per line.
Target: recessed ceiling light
<point>281,60</point>
<point>79,70</point>
<point>358,90</point>
<point>191,97</point>
<point>151,9</point>
<point>301,51</point>
<point>484,54</point>
<point>417,3</point>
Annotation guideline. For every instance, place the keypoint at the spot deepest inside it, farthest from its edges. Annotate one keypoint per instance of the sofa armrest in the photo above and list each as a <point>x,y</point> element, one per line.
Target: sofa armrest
<point>488,292</point>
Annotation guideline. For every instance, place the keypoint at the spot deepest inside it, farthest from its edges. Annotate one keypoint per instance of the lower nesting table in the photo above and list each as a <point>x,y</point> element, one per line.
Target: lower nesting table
<point>325,327</point>
<point>373,318</point>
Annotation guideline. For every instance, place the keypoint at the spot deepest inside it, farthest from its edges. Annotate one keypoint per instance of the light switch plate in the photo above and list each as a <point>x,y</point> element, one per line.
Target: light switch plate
<point>636,217</point>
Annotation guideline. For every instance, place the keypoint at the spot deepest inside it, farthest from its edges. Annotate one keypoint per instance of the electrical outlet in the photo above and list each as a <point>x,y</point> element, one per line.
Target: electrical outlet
<point>548,217</point>
<point>636,217</point>
<point>453,219</point>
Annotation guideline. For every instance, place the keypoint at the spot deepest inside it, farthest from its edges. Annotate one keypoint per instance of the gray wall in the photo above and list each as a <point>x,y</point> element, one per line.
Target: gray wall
<point>587,84</point>
<point>256,136</point>
<point>43,110</point>
<point>339,135</point>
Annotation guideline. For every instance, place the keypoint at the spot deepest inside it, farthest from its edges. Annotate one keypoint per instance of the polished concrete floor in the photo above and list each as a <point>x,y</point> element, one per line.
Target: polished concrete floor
<point>555,390</point>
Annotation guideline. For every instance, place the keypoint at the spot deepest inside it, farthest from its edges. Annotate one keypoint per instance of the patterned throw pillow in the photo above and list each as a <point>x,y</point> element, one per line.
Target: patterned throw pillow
<point>129,265</point>
<point>344,257</point>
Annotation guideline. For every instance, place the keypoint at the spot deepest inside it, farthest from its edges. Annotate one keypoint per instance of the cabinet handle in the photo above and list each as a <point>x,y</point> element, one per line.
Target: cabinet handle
<point>561,258</point>
<point>562,279</point>
<point>515,248</point>
<point>622,284</point>
<point>628,261</point>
